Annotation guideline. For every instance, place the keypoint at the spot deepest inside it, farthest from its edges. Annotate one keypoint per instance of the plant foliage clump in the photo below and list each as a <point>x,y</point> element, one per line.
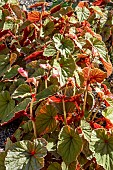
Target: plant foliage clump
<point>54,66</point>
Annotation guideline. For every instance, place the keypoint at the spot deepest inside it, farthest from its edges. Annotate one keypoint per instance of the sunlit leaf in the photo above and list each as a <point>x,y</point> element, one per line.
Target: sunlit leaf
<point>9,24</point>
<point>69,145</point>
<point>64,68</point>
<point>94,75</point>
<point>86,130</point>
<point>107,66</point>
<point>45,119</point>
<point>101,145</point>
<point>34,16</point>
<point>49,50</point>
<point>64,45</point>
<point>82,13</point>
<point>108,113</point>
<point>100,47</point>
<point>26,155</point>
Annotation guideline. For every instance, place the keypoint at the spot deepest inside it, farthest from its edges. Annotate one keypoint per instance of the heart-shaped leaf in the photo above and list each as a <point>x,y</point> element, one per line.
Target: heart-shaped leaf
<point>101,145</point>
<point>64,45</point>
<point>49,50</point>
<point>69,145</point>
<point>48,27</point>
<point>22,91</point>
<point>6,105</point>
<point>64,68</point>
<point>45,119</point>
<point>94,75</point>
<point>82,13</point>
<point>18,108</point>
<point>100,47</point>
<point>26,155</point>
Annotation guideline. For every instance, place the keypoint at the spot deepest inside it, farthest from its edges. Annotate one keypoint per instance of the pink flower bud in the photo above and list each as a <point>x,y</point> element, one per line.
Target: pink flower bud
<point>23,72</point>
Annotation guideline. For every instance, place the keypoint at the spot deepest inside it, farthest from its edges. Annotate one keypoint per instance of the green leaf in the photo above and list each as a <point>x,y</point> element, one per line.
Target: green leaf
<point>45,119</point>
<point>100,47</point>
<point>26,155</point>
<point>4,64</point>
<point>101,145</point>
<point>51,90</point>
<point>2,159</point>
<point>13,71</point>
<point>0,14</point>
<point>54,166</point>
<point>82,13</point>
<point>48,27</point>
<point>108,113</point>
<point>22,91</point>
<point>9,24</point>
<point>49,50</point>
<point>6,104</point>
<point>64,68</point>
<point>110,101</point>
<point>13,2</point>
<point>21,106</point>
<point>3,2</point>
<point>64,45</point>
<point>86,130</point>
<point>69,145</point>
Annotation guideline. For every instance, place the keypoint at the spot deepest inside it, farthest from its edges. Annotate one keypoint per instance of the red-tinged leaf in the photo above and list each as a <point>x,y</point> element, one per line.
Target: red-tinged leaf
<point>100,2</point>
<point>82,4</point>
<point>37,4</point>
<point>45,119</point>
<point>55,9</point>
<point>2,47</point>
<point>45,14</point>
<point>55,99</point>
<point>34,16</point>
<point>95,125</point>
<point>83,55</point>
<point>16,112</point>
<point>34,55</point>
<point>107,66</point>
<point>2,33</point>
<point>93,75</point>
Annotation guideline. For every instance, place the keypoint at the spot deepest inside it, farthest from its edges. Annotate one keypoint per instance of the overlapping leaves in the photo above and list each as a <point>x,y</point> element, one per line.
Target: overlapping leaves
<point>26,155</point>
